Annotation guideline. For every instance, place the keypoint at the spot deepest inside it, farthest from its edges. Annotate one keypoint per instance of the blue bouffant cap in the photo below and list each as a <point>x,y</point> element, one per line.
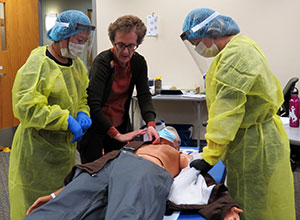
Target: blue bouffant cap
<point>67,25</point>
<point>205,22</point>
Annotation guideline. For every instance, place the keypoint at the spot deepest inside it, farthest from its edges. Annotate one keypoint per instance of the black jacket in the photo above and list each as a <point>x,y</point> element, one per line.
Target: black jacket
<point>101,77</point>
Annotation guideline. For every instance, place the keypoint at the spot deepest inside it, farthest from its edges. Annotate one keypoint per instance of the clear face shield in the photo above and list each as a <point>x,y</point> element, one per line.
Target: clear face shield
<point>202,63</point>
<point>84,50</point>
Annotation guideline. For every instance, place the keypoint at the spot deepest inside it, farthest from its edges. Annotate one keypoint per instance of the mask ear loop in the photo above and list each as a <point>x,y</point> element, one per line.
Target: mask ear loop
<point>68,40</point>
<point>205,30</point>
<point>213,42</point>
<point>213,39</point>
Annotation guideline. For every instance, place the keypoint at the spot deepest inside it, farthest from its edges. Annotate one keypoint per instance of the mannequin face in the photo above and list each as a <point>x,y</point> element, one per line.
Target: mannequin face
<point>174,145</point>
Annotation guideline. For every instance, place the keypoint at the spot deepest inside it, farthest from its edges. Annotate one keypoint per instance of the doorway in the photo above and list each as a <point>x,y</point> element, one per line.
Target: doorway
<point>18,36</point>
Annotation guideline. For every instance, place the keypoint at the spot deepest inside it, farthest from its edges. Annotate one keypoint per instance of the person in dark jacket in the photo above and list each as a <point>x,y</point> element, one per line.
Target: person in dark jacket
<point>113,75</point>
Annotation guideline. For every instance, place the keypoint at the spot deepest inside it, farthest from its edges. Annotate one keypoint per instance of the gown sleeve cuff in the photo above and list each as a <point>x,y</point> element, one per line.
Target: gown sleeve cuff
<point>213,152</point>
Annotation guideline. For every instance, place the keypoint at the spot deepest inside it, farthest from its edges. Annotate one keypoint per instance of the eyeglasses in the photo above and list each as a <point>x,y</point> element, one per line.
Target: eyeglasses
<point>122,46</point>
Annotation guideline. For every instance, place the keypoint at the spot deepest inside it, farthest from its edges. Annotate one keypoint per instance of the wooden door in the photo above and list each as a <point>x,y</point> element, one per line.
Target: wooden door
<point>19,34</point>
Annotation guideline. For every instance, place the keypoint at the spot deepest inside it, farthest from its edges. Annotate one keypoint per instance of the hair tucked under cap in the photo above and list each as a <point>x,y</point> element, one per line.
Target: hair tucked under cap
<point>221,25</point>
<point>65,25</point>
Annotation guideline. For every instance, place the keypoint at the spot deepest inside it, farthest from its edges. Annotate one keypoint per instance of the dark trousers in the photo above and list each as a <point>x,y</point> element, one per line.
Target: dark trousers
<point>129,187</point>
<point>95,142</point>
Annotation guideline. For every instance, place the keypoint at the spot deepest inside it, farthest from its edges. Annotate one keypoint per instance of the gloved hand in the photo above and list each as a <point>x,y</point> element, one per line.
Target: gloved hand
<point>75,128</point>
<point>84,120</point>
<point>201,165</point>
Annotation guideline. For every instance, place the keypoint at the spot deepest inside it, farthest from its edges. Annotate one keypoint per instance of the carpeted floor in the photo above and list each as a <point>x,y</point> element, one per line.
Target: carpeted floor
<point>4,200</point>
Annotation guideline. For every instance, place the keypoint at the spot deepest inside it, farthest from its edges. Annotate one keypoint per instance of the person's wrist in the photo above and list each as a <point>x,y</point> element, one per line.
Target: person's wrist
<point>112,132</point>
<point>118,137</point>
<point>52,195</point>
<point>151,124</point>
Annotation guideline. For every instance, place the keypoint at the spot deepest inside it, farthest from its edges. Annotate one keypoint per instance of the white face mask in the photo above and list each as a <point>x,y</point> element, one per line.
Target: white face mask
<point>207,52</point>
<point>65,53</point>
<point>76,49</point>
<point>73,51</point>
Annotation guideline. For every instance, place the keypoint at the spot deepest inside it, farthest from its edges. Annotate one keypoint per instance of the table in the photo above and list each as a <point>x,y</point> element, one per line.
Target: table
<point>196,98</point>
<point>293,133</point>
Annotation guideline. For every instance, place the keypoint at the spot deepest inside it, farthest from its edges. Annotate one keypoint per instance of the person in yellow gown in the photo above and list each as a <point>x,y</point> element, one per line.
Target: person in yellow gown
<point>50,101</point>
<point>244,131</point>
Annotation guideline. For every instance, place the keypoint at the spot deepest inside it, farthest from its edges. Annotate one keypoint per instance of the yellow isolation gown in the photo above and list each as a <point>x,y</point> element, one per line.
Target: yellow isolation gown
<point>44,94</point>
<point>243,97</point>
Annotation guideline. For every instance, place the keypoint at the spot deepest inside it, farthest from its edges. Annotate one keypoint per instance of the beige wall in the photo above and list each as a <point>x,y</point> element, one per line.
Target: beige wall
<point>273,24</point>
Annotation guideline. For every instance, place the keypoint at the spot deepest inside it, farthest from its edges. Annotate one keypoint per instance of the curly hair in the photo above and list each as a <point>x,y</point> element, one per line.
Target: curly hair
<point>128,23</point>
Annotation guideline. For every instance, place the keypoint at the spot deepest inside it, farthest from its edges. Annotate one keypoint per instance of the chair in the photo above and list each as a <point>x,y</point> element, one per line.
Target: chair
<point>284,110</point>
<point>7,135</point>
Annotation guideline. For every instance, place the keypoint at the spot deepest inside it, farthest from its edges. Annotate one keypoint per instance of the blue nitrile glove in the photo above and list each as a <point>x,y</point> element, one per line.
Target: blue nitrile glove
<point>75,128</point>
<point>84,120</point>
